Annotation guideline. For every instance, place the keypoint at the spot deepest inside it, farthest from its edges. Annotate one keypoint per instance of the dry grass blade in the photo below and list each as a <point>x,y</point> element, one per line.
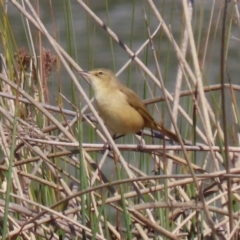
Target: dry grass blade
<point>62,174</point>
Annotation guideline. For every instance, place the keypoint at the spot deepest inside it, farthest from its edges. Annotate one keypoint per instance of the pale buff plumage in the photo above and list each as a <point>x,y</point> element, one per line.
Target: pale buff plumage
<point>120,108</point>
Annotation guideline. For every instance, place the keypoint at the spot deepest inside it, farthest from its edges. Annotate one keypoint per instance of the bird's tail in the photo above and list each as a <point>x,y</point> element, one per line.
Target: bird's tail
<point>159,127</point>
<point>169,134</point>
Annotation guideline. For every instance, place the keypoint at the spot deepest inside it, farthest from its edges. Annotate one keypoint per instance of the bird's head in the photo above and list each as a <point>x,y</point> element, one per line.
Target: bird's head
<point>99,76</point>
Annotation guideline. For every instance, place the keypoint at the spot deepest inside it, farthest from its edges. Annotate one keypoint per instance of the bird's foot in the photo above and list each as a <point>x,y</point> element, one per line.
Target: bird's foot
<point>107,146</point>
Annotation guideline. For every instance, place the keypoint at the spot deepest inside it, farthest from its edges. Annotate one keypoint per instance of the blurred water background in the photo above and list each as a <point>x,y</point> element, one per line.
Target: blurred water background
<point>91,46</point>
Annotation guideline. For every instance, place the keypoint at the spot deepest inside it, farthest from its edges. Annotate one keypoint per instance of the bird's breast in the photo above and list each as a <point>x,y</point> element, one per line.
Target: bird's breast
<point>116,112</point>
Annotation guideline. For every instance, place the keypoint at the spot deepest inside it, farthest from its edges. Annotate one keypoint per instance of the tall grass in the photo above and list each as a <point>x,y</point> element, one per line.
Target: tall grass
<point>62,174</point>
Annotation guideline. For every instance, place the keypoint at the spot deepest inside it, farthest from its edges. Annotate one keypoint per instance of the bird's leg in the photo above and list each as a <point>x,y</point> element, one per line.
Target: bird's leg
<point>114,137</point>
<point>117,137</point>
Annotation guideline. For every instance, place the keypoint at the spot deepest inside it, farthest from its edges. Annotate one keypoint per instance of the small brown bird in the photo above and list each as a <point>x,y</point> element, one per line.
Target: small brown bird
<point>120,108</point>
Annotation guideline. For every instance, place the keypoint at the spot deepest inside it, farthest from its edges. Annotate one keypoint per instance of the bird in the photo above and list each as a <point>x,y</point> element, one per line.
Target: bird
<point>121,109</point>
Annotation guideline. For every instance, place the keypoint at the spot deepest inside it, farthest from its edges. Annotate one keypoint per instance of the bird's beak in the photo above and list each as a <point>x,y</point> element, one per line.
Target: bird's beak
<point>84,73</point>
<point>87,75</point>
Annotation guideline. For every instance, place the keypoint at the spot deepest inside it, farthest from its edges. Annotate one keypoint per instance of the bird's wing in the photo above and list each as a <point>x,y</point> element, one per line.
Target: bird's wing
<point>135,102</point>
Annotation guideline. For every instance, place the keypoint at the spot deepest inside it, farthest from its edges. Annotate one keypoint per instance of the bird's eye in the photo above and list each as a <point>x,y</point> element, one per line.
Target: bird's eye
<point>100,73</point>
